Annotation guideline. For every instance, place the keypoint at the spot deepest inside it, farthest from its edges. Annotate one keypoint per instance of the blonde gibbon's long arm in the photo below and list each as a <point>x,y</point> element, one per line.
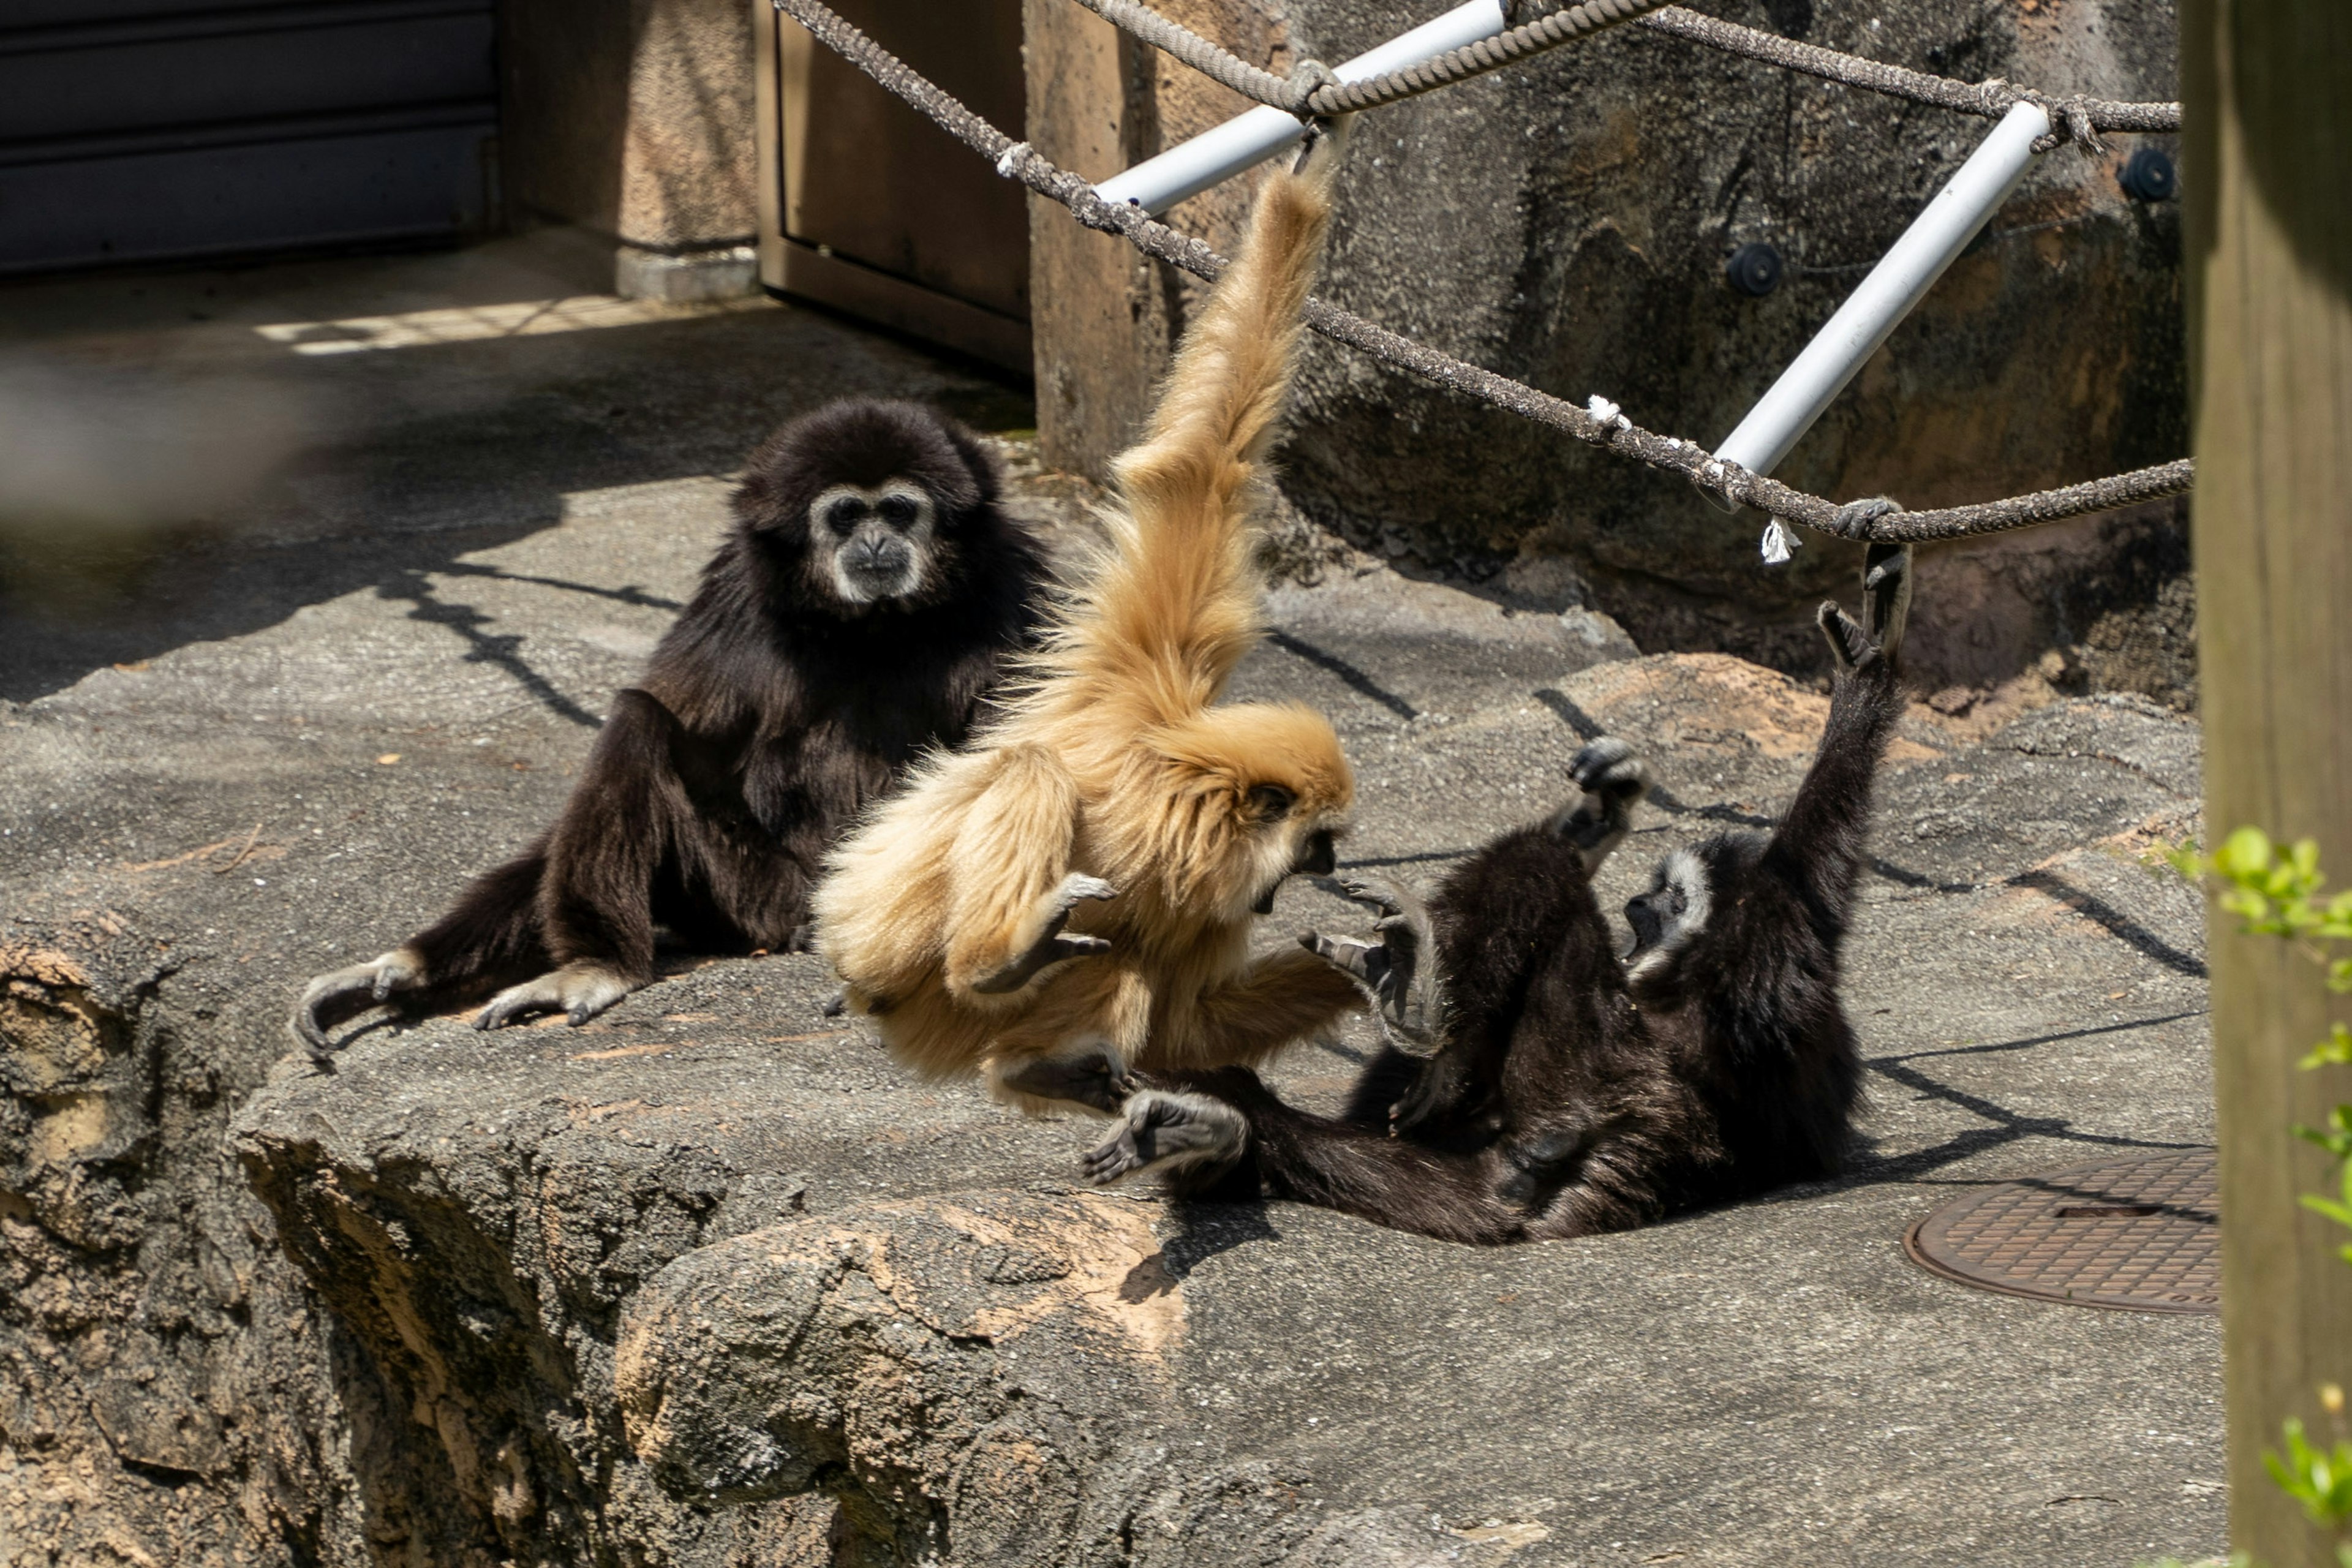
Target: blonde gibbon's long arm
<point>1177,607</point>
<point>1285,996</point>
<point>1013,890</point>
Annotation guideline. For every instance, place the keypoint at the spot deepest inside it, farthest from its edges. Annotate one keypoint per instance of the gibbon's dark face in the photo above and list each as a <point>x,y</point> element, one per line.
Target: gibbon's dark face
<point>863,506</point>
<point>875,542</point>
<point>1674,909</point>
<point>1310,848</point>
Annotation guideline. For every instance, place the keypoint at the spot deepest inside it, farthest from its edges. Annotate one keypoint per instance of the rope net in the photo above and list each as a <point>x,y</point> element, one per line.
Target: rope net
<point>1599,422</point>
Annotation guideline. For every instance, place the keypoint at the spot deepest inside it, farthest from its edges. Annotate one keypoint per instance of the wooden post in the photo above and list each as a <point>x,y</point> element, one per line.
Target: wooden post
<point>1105,319</point>
<point>1097,310</point>
<point>2267,91</point>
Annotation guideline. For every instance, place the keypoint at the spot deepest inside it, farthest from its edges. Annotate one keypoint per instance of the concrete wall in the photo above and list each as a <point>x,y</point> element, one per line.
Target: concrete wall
<point>632,119</point>
<point>1566,222</point>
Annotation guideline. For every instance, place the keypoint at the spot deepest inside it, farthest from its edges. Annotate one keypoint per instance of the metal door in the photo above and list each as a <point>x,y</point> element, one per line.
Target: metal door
<point>868,206</point>
<point>135,129</point>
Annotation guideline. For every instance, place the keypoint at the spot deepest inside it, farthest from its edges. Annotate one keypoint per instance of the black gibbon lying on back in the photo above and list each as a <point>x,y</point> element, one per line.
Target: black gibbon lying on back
<point>1570,1091</point>
<point>860,610</point>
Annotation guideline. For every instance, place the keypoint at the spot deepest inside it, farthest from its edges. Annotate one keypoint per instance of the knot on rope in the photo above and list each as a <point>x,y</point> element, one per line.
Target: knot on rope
<point>1306,79</point>
<point>2069,121</point>
<point>1009,162</point>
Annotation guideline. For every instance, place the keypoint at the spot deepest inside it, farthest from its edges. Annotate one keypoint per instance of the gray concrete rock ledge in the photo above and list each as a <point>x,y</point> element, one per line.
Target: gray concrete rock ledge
<point>711,1281</point>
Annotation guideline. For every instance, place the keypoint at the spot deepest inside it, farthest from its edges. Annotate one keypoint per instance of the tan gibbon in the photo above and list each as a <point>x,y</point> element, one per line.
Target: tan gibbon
<point>1071,894</point>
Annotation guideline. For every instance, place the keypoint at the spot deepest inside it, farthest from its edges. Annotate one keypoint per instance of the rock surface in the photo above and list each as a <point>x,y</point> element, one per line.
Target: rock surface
<point>710,1282</point>
<point>257,631</point>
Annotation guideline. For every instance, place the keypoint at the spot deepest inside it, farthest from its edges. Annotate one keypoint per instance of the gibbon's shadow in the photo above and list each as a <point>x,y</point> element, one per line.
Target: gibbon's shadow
<point>1199,1231</point>
<point>2002,1125</point>
<point>407,500</point>
<point>501,649</point>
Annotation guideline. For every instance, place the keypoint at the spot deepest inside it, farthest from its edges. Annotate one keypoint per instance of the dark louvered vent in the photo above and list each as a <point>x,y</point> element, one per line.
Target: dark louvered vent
<point>136,130</point>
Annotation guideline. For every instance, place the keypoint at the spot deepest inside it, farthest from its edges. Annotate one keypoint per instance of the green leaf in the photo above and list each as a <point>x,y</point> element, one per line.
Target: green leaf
<point>2244,854</point>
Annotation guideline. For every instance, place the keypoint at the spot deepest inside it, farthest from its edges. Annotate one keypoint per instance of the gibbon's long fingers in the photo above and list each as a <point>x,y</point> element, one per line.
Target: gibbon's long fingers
<point>578,991</point>
<point>1010,887</point>
<point>1366,962</point>
<point>1180,599</point>
<point>1887,577</point>
<point>1098,1080</point>
<point>343,994</point>
<point>1169,1132</point>
<point>1053,945</point>
<point>1848,645</point>
<point>1614,780</point>
<point>1327,141</point>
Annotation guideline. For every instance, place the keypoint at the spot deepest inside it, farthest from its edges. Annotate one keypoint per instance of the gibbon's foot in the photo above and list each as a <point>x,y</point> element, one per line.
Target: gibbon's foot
<point>1854,517</point>
<point>1849,644</point>
<point>1053,945</point>
<point>802,939</point>
<point>1388,967</point>
<point>1541,1165</point>
<point>1098,1080</point>
<point>578,991</point>
<point>1886,580</point>
<point>345,992</point>
<point>1169,1132</point>
<point>1326,139</point>
<point>1614,779</point>
<point>837,1005</point>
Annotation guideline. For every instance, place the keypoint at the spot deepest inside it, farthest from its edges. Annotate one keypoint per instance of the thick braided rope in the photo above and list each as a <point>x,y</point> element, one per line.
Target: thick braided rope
<point>2081,118</point>
<point>1990,98</point>
<point>1476,59</point>
<point>1606,427</point>
<point>1303,96</point>
<point>1210,60</point>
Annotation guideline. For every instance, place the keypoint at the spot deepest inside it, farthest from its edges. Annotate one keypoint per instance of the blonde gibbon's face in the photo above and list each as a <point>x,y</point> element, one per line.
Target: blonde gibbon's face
<point>1260,794</point>
<point>1281,840</point>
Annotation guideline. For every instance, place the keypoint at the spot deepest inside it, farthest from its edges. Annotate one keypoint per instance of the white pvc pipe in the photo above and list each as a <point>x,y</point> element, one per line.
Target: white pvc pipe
<point>1216,156</point>
<point>1902,278</point>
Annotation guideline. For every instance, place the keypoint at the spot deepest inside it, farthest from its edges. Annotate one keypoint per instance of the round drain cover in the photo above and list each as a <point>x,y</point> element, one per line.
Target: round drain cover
<point>2143,1235</point>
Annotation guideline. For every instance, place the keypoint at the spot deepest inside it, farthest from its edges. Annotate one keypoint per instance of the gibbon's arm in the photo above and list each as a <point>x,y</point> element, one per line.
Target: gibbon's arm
<point>1283,997</point>
<point>1821,838</point>
<point>1177,607</point>
<point>1010,871</point>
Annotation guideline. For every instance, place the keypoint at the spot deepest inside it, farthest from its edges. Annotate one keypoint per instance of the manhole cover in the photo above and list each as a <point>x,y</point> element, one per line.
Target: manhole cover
<point>2143,1235</point>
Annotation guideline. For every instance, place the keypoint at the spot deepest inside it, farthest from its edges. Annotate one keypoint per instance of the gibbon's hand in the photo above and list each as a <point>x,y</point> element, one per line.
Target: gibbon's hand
<point>1388,966</point>
<point>1096,1079</point>
<point>343,993</point>
<point>1161,1130</point>
<point>579,991</point>
<point>1053,945</point>
<point>1614,779</point>
<point>1886,597</point>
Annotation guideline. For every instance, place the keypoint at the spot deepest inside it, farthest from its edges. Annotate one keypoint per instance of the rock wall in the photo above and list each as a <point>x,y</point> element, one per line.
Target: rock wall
<point>1567,222</point>
<point>165,1393</point>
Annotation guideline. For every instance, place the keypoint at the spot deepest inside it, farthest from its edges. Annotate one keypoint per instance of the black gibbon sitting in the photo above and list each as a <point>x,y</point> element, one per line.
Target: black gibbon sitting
<point>863,605</point>
<point>1571,1091</point>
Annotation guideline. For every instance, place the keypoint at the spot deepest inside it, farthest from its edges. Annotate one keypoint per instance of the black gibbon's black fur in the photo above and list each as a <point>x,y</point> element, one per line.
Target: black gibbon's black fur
<point>1571,1091</point>
<point>860,610</point>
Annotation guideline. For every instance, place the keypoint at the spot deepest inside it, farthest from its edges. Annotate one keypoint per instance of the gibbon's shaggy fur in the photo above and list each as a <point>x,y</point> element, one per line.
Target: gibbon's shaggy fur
<point>865,603</point>
<point>1571,1092</point>
<point>1072,895</point>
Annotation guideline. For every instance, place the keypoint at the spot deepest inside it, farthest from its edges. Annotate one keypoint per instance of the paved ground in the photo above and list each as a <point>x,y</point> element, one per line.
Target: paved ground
<point>239,753</point>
